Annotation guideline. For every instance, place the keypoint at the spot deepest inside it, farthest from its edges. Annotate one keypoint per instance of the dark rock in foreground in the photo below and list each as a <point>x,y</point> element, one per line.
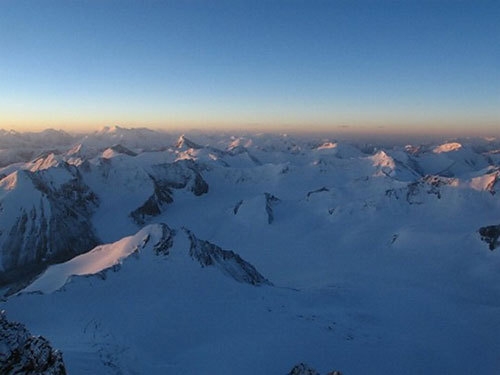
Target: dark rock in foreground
<point>303,369</point>
<point>24,354</point>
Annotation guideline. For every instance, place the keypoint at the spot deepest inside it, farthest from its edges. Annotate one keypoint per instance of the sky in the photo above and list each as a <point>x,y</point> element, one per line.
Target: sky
<point>374,66</point>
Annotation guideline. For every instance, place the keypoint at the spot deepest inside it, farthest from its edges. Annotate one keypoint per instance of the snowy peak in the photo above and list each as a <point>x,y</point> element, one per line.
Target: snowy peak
<point>486,182</point>
<point>10,182</point>
<point>327,146</point>
<point>340,150</point>
<point>117,150</point>
<point>384,164</point>
<point>157,239</point>
<point>47,162</point>
<point>447,147</point>
<point>185,144</point>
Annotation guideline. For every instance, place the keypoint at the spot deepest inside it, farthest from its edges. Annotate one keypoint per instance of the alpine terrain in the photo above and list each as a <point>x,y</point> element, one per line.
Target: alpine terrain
<point>133,251</point>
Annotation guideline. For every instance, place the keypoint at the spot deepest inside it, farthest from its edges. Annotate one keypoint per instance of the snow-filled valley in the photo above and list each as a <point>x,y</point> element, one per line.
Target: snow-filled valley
<point>139,252</point>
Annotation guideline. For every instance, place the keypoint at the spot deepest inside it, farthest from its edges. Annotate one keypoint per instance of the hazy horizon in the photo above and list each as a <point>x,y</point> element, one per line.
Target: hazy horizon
<point>413,67</point>
<point>382,138</point>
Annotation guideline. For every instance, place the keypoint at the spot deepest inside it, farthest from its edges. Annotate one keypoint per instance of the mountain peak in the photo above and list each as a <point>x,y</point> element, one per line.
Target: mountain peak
<point>447,147</point>
<point>184,142</point>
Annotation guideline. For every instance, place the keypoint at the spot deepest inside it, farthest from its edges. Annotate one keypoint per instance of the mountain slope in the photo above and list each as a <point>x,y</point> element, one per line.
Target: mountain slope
<point>45,217</point>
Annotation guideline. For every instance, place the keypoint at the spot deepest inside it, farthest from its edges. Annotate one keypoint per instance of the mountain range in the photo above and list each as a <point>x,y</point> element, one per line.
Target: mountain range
<point>136,251</point>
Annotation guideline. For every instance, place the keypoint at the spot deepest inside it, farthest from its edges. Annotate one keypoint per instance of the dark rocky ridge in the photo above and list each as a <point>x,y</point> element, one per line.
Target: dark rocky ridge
<point>490,235</point>
<point>208,254</point>
<point>414,191</point>
<point>271,201</point>
<point>166,242</point>
<point>182,174</point>
<point>24,354</point>
<point>123,150</point>
<point>303,369</point>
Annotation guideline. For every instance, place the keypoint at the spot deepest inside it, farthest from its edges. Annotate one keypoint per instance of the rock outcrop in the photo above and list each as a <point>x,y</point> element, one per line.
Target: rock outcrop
<point>182,174</point>
<point>24,354</point>
<point>230,263</point>
<point>303,369</point>
<point>271,201</point>
<point>490,235</point>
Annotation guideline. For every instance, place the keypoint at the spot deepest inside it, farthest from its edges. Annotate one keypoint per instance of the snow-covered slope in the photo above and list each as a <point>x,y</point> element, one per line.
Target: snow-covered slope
<point>379,257</point>
<point>44,217</point>
<point>157,239</point>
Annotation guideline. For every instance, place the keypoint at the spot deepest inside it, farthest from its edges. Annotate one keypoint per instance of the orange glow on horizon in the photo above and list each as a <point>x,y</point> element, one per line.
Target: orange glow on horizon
<point>376,126</point>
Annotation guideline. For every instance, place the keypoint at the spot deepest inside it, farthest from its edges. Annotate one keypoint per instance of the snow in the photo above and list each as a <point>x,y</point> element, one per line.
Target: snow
<point>45,163</point>
<point>327,145</point>
<point>93,262</point>
<point>384,163</point>
<point>484,182</point>
<point>447,147</point>
<point>375,259</point>
<point>9,182</point>
<point>109,153</point>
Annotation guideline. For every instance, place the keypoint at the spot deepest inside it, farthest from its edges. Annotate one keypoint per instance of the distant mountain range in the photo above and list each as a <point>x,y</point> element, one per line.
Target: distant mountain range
<point>141,252</point>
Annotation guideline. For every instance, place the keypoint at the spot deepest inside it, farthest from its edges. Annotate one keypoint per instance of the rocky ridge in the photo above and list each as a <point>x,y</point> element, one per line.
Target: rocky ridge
<point>21,353</point>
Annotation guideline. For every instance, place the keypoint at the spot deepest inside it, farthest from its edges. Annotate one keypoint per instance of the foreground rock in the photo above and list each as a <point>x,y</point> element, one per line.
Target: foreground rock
<point>24,354</point>
<point>303,369</point>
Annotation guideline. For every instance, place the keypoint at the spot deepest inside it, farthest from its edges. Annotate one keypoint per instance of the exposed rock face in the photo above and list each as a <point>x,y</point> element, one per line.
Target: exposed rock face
<point>208,254</point>
<point>414,191</point>
<point>53,227</point>
<point>271,201</point>
<point>24,354</point>
<point>303,369</point>
<point>321,190</point>
<point>493,183</point>
<point>123,150</point>
<point>166,241</point>
<point>490,235</point>
<point>237,207</point>
<point>182,174</point>
<point>154,205</point>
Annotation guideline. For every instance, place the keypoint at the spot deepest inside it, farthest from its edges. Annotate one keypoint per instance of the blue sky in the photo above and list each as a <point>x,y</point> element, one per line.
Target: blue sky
<point>406,66</point>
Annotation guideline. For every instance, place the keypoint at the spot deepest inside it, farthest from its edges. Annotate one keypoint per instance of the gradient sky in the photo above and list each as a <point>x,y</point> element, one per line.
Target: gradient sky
<point>403,66</point>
